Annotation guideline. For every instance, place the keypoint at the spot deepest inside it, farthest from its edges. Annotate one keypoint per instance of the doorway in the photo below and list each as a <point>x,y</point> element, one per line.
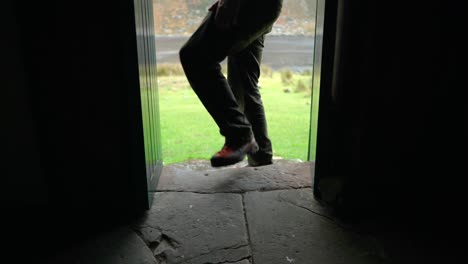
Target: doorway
<point>288,83</point>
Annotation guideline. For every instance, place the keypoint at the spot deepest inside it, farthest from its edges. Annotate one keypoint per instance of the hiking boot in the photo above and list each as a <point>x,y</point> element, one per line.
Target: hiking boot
<point>256,160</point>
<point>233,153</point>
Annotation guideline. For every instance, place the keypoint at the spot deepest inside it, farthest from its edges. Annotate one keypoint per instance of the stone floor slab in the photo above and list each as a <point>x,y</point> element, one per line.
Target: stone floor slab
<point>196,228</point>
<point>120,246</point>
<point>200,177</point>
<point>288,226</point>
<point>242,262</point>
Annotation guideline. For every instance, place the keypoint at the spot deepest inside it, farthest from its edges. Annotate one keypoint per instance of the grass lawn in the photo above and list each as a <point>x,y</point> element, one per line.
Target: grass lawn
<point>189,132</point>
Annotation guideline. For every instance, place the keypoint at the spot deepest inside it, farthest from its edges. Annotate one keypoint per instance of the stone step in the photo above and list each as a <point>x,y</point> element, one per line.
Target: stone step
<point>198,176</point>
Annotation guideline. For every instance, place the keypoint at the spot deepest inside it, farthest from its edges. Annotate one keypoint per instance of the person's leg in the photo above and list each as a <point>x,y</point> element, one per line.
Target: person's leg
<point>201,57</point>
<point>243,75</point>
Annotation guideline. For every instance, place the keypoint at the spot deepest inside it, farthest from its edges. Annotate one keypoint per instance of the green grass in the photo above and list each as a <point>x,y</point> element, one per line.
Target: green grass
<point>189,132</point>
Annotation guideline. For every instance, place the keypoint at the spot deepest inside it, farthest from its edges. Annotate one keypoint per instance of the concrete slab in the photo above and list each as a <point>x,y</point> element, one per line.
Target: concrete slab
<point>121,246</point>
<point>200,177</point>
<point>196,228</point>
<point>288,226</point>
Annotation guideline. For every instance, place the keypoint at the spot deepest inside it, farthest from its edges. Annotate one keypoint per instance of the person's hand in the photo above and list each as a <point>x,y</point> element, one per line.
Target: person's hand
<point>226,13</point>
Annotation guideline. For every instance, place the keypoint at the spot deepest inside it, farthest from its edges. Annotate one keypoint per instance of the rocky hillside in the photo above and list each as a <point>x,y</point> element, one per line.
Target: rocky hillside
<point>181,17</point>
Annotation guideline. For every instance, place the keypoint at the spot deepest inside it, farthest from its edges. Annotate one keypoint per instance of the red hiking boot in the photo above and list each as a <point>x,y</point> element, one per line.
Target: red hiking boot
<point>232,154</point>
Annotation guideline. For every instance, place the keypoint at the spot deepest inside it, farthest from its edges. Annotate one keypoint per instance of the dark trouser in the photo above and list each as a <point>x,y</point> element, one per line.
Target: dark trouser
<point>235,104</point>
